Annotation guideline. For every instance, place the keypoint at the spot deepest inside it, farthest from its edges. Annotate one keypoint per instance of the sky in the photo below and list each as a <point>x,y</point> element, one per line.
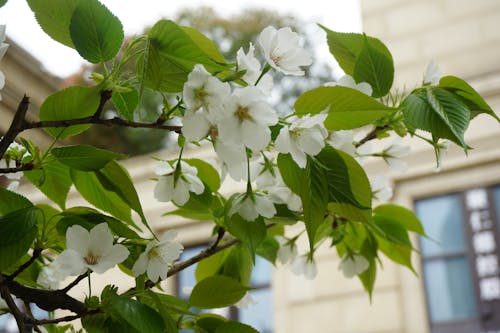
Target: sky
<point>339,15</point>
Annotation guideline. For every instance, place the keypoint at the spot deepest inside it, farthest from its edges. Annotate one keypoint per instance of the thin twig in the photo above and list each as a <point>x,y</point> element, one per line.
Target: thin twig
<point>22,167</point>
<point>74,283</point>
<point>36,254</point>
<point>63,319</point>
<point>371,135</point>
<point>16,126</point>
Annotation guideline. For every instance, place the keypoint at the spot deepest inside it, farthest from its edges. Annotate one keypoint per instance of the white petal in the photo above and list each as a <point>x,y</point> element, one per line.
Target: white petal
<point>164,188</point>
<point>71,262</point>
<point>264,206</point>
<point>255,136</point>
<point>78,239</point>
<point>101,240</point>
<point>195,126</point>
<point>157,270</point>
<point>117,254</point>
<point>140,265</point>
<point>163,168</point>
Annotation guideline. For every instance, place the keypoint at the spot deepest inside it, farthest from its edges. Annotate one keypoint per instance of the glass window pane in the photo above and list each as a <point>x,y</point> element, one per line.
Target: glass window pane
<point>442,220</point>
<point>496,195</point>
<point>259,315</point>
<point>449,289</point>
<point>186,278</point>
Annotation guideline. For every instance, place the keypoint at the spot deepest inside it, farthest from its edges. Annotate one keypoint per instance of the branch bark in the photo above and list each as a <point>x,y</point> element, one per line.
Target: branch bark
<point>17,125</point>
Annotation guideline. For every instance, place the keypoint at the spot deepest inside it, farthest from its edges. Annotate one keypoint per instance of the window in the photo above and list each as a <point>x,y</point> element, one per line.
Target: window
<point>260,315</point>
<point>460,260</point>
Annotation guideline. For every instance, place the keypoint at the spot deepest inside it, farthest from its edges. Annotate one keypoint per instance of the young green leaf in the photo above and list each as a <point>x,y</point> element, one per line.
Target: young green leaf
<point>250,233</point>
<point>70,103</point>
<point>216,291</point>
<point>347,108</point>
<point>11,201</point>
<point>375,66</point>
<point>205,44</point>
<point>311,185</point>
<point>53,180</point>
<point>439,112</point>
<point>206,172</point>
<point>18,229</point>
<point>54,17</point>
<point>141,317</point>
<point>126,103</point>
<point>469,96</point>
<point>96,33</point>
<point>85,158</point>
<point>402,215</point>
<point>235,327</point>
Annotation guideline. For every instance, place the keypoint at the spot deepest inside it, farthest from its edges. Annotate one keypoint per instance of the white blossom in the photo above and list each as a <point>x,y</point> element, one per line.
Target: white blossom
<point>394,153</point>
<point>250,206</point>
<point>248,119</point>
<point>196,125</point>
<point>433,74</point>
<point>441,150</point>
<point>304,265</point>
<point>202,90</point>
<point>158,257</point>
<point>50,276</point>
<point>92,250</point>
<point>246,301</point>
<point>248,62</point>
<point>168,188</point>
<point>348,81</point>
<point>353,264</point>
<point>287,251</point>
<point>233,157</point>
<point>342,140</point>
<point>381,189</point>
<point>304,136</point>
<point>282,50</point>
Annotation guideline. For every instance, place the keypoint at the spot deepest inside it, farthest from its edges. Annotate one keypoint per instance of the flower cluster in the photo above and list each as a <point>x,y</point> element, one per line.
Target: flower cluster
<point>15,154</point>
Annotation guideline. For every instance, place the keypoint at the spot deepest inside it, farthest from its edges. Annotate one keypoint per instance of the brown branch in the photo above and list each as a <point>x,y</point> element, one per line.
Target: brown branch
<point>371,135</point>
<point>18,315</point>
<point>16,126</point>
<point>75,282</point>
<point>62,319</point>
<point>36,254</point>
<point>98,121</point>
<point>22,167</point>
<point>48,300</point>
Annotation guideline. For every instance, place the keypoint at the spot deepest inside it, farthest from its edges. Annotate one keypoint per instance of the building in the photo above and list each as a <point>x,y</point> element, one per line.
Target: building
<point>458,284</point>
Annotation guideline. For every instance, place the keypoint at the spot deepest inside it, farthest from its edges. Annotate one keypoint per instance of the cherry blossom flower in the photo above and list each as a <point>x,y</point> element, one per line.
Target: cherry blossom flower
<point>348,81</point>
<point>158,257</point>
<point>177,190</point>
<point>304,136</point>
<point>250,206</point>
<point>353,264</point>
<point>248,119</point>
<point>233,157</point>
<point>342,140</point>
<point>282,51</point>
<point>304,265</point>
<point>287,251</point>
<point>381,189</point>
<point>248,61</point>
<point>433,74</point>
<point>50,276</point>
<point>204,90</point>
<point>196,125</point>
<point>92,250</point>
<point>394,153</point>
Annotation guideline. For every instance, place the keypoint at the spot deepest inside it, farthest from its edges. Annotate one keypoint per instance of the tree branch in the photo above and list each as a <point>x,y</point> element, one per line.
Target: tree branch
<point>75,282</point>
<point>36,254</point>
<point>6,295</point>
<point>17,125</point>
<point>371,135</point>
<point>22,167</point>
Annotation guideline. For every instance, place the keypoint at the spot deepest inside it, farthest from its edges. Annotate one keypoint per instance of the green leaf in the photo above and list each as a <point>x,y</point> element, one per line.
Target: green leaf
<point>206,172</point>
<point>53,180</point>
<point>250,233</point>
<point>96,323</point>
<point>2,3</point>
<point>85,158</point>
<point>211,266</point>
<point>115,178</point>
<point>439,112</point>
<point>468,95</point>
<point>368,277</point>
<point>348,186</point>
<point>205,44</point>
<point>70,103</point>
<point>96,194</point>
<point>395,242</point>
<point>312,186</point>
<point>126,103</point>
<point>216,292</point>
<point>268,249</point>
<point>54,17</point>
<point>96,33</point>
<point>347,47</point>
<point>141,317</point>
<point>235,327</point>
<point>170,56</point>
<point>209,322</point>
<point>18,229</point>
<point>401,215</point>
<point>374,66</point>
<point>11,201</point>
<point>159,305</point>
<point>347,108</point>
